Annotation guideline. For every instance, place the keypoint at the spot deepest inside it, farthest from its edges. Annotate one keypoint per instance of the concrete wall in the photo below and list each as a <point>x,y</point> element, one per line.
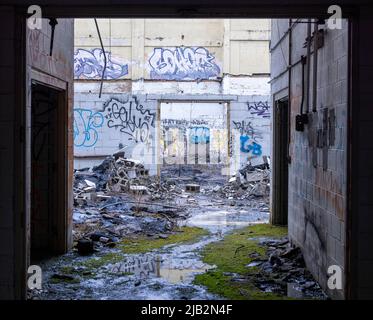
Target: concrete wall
<point>194,60</point>
<point>318,168</point>
<point>103,126</point>
<point>172,49</point>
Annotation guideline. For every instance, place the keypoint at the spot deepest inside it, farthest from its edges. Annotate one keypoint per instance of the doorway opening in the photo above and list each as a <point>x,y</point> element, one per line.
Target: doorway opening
<point>188,99</point>
<point>194,140</point>
<point>281,165</point>
<point>48,234</point>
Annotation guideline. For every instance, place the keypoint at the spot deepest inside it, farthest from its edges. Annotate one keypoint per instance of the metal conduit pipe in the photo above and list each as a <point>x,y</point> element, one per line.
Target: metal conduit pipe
<point>315,54</point>
<point>308,65</point>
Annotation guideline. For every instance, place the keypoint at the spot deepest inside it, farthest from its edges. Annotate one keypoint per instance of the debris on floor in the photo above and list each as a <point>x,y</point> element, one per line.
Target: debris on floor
<point>139,236</point>
<point>258,262</point>
<point>117,199</point>
<point>285,272</point>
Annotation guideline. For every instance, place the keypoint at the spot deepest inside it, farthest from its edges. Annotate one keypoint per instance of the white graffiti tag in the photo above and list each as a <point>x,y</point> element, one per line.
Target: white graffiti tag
<point>183,63</point>
<point>89,64</point>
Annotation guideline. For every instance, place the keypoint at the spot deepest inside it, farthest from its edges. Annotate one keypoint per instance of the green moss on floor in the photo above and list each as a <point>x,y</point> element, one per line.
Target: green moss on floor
<point>59,280</point>
<point>99,261</point>
<point>231,255</point>
<point>144,244</point>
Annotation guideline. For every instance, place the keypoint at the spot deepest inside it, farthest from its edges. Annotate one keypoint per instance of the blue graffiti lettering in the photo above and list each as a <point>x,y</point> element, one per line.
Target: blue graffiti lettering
<point>200,135</point>
<point>89,65</point>
<point>85,124</point>
<point>254,148</point>
<point>183,63</point>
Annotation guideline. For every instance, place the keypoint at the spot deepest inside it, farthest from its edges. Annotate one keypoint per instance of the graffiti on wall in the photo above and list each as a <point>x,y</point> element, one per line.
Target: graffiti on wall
<point>247,146</point>
<point>183,123</point>
<point>130,117</point>
<point>248,137</point>
<point>182,63</point>
<point>86,123</point>
<point>199,135</point>
<point>89,64</point>
<point>259,108</point>
<point>244,127</point>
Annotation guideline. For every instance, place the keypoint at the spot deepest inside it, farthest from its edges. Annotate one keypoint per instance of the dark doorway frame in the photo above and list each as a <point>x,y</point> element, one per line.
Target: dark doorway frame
<point>240,9</point>
<point>57,219</point>
<point>280,165</point>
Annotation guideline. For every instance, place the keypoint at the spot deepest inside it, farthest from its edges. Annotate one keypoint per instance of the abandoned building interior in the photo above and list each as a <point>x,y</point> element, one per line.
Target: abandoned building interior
<point>202,154</point>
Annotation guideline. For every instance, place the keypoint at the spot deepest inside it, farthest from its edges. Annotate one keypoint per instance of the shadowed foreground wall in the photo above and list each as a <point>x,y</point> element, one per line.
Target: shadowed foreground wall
<point>318,167</point>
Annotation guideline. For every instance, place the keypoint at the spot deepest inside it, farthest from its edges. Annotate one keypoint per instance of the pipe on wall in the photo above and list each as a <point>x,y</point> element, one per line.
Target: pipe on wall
<point>315,54</point>
<point>308,65</point>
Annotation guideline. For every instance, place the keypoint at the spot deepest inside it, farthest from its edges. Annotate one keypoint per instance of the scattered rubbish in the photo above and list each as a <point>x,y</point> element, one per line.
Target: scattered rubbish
<point>285,272</point>
<point>118,200</point>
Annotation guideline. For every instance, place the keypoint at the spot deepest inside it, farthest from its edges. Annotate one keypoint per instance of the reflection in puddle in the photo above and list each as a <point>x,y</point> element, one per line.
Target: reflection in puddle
<point>172,270</point>
<point>223,220</point>
<point>179,276</point>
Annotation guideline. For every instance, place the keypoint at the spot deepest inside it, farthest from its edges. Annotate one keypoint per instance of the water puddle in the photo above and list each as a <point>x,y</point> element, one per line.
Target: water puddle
<point>166,273</point>
<point>221,221</point>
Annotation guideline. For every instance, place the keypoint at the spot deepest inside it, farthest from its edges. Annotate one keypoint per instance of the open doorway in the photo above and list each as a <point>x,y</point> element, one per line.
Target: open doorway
<point>196,95</point>
<point>281,164</point>
<point>48,234</point>
<point>194,140</point>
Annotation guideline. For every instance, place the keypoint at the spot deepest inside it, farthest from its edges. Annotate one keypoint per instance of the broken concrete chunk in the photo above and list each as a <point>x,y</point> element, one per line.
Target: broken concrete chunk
<point>90,183</point>
<point>104,239</point>
<point>138,189</point>
<point>191,187</point>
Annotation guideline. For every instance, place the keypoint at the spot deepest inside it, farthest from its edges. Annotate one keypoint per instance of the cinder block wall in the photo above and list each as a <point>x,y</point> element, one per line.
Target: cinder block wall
<point>195,60</point>
<point>318,168</point>
<point>104,125</point>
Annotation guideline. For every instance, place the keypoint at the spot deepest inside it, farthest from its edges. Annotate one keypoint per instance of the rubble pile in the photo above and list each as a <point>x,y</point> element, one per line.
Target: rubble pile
<point>163,190</point>
<point>120,175</point>
<point>118,198</point>
<point>250,181</point>
<point>115,199</point>
<point>284,272</point>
